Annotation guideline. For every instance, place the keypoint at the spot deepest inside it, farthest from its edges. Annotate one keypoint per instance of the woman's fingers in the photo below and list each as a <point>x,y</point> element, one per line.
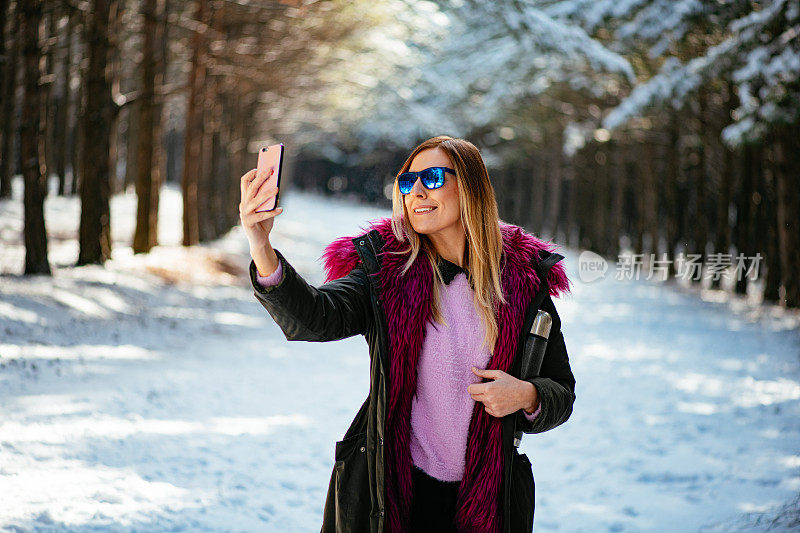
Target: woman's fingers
<point>245,181</point>
<point>264,215</point>
<point>260,178</point>
<point>248,205</point>
<point>261,216</point>
<point>262,197</point>
<point>247,210</point>
<point>258,201</point>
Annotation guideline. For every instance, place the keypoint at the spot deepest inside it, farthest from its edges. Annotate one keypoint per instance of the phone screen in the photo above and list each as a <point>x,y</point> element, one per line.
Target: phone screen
<point>270,156</point>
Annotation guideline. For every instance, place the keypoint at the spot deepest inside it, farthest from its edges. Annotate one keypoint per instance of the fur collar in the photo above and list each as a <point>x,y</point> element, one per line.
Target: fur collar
<point>406,302</point>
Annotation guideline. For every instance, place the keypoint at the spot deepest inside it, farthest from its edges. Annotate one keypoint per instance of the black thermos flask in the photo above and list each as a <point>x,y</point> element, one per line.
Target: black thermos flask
<point>533,354</point>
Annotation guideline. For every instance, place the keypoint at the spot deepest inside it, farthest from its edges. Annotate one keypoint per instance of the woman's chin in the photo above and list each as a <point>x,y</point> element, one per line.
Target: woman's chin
<point>425,227</point>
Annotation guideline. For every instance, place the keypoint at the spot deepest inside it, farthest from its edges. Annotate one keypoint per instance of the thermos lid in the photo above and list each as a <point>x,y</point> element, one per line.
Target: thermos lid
<point>541,324</point>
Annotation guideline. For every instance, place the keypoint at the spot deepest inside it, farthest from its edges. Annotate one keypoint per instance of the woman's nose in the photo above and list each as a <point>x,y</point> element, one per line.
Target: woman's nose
<point>418,187</point>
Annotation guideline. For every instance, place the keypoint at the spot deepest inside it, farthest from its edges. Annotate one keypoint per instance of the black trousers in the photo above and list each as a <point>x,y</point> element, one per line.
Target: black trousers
<point>433,503</point>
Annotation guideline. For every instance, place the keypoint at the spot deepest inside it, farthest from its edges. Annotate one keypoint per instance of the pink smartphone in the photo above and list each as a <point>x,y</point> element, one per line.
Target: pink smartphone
<point>270,156</point>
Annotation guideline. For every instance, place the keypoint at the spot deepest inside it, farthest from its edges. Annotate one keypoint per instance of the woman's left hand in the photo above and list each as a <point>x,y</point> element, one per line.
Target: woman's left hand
<point>503,396</point>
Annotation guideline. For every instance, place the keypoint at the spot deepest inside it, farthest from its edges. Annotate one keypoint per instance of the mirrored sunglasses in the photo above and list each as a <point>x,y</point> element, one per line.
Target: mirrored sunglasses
<point>432,178</point>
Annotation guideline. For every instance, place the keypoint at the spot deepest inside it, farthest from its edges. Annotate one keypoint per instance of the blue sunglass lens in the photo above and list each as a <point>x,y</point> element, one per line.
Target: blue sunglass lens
<point>406,182</point>
<point>432,178</point>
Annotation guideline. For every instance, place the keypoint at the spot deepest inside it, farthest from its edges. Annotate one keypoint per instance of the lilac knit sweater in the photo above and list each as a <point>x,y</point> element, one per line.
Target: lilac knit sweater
<point>442,407</point>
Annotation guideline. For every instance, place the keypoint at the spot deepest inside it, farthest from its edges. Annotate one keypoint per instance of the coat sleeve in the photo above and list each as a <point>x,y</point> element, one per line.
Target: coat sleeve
<point>555,382</point>
<point>333,311</point>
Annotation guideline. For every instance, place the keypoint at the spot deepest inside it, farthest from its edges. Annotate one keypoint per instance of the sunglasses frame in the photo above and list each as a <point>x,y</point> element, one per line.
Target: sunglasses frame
<point>418,174</point>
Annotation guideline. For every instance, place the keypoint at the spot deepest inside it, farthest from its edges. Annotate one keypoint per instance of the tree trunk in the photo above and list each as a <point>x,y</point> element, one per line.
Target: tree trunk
<point>132,143</point>
<point>745,218</point>
<point>538,176</point>
<point>671,199</point>
<point>5,64</point>
<point>638,186</point>
<point>174,152</point>
<point>514,185</point>
<point>570,189</point>
<point>723,231</point>
<point>712,162</point>
<point>149,154</point>
<point>114,30</point>
<point>97,123</point>
<point>555,179</point>
<point>601,207</point>
<point>617,171</point>
<point>649,206</point>
<point>8,88</point>
<point>231,194</point>
<point>193,134</point>
<point>219,175</point>
<point>62,111</point>
<point>699,220</point>
<point>31,143</point>
<point>763,219</point>
<point>767,225</point>
<point>205,185</point>
<point>788,185</point>
<point>77,142</point>
<point>230,184</point>
<point>50,46</point>
<point>238,151</point>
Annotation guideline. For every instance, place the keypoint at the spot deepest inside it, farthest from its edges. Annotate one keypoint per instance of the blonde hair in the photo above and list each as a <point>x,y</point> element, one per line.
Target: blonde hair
<point>479,216</point>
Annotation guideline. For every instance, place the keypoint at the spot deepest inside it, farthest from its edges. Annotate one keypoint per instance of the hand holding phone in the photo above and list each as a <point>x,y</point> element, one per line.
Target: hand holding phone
<point>258,205</point>
<point>270,157</point>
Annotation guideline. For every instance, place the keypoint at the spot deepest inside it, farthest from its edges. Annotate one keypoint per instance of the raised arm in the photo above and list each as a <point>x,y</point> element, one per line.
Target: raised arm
<point>333,311</point>
<point>555,383</point>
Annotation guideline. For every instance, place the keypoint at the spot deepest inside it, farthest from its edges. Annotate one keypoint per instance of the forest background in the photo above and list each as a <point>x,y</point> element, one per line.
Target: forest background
<point>657,128</point>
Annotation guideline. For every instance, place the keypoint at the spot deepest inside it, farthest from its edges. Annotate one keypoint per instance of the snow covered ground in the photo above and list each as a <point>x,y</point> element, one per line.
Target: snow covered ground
<point>155,393</point>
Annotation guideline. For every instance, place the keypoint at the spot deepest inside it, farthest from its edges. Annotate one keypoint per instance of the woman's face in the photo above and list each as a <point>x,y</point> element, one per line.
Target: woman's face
<point>445,218</point>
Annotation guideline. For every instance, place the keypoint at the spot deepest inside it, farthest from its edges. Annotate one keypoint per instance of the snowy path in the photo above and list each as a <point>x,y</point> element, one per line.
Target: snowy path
<point>129,402</point>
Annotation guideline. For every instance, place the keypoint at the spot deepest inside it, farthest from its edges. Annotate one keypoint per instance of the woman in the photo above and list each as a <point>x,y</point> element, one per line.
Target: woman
<point>443,292</point>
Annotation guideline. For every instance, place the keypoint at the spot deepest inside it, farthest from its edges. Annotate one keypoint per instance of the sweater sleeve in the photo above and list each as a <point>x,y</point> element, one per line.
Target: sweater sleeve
<point>272,279</point>
<point>534,414</point>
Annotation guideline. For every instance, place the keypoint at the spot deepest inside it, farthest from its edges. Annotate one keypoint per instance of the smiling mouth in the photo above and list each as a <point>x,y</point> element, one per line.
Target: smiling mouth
<point>424,211</point>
